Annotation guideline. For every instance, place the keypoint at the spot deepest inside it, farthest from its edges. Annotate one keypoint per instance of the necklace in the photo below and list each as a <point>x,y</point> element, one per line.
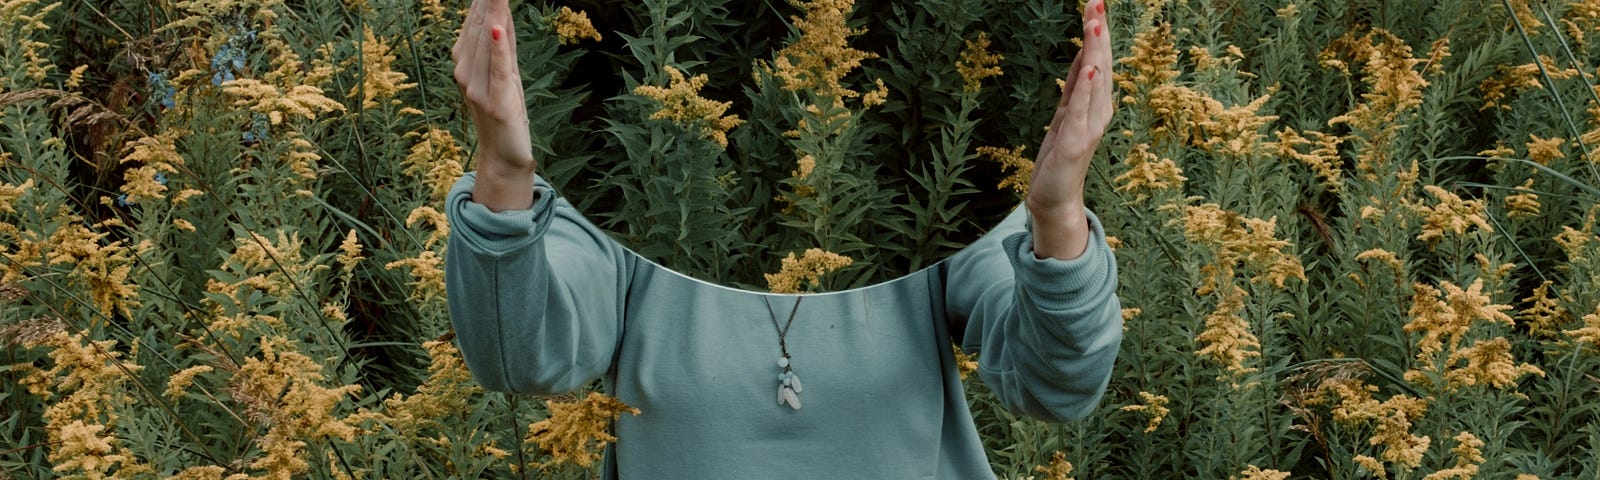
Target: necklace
<point>788,382</point>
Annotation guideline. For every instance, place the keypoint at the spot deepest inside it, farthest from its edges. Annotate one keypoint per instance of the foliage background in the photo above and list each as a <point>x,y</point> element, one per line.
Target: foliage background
<point>1356,238</point>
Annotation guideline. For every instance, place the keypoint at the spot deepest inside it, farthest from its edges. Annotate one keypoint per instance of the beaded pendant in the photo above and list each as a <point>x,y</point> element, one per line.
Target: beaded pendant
<point>789,387</point>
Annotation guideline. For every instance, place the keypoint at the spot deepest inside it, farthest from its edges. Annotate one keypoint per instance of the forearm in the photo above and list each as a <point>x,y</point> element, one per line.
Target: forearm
<point>1060,232</point>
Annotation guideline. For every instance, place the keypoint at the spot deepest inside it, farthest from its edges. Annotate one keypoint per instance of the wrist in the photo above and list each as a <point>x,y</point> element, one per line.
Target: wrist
<point>1060,231</point>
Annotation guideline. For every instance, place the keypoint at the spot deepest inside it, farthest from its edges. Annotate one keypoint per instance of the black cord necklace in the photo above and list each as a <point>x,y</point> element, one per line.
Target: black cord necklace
<point>788,382</point>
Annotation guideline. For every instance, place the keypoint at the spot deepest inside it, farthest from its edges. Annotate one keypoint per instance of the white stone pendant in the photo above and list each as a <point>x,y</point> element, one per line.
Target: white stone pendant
<point>788,386</point>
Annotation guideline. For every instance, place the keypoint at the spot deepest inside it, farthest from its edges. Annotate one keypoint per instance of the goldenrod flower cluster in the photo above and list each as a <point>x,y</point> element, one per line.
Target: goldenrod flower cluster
<point>1391,420</point>
<point>573,26</point>
<point>1148,173</point>
<point>1323,158</point>
<point>576,432</point>
<point>1523,205</point>
<point>278,104</point>
<point>1154,407</point>
<point>1451,215</point>
<point>26,18</point>
<point>1018,168</point>
<point>1468,457</point>
<point>1058,469</point>
<point>822,56</point>
<point>427,273</point>
<point>1544,314</point>
<point>681,103</point>
<point>1235,241</point>
<point>1253,472</point>
<point>88,377</point>
<point>379,79</point>
<point>284,389</point>
<point>436,159</point>
<point>806,271</point>
<point>977,63</point>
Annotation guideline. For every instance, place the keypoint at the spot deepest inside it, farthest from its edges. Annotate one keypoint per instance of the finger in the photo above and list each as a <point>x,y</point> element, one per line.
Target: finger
<point>1078,106</point>
<point>478,70</point>
<point>1099,43</point>
<point>464,39</point>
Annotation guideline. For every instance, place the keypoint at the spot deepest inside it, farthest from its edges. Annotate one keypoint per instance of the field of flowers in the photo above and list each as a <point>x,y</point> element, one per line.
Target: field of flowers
<point>1356,237</point>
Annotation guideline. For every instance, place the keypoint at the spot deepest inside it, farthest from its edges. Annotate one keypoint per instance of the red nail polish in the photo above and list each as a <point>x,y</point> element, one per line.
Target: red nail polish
<point>1096,30</point>
<point>1101,8</point>
<point>1092,72</point>
<point>495,32</point>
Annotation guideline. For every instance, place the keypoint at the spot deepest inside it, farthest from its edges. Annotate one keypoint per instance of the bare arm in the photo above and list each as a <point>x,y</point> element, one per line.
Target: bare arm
<point>1055,196</point>
<point>491,83</point>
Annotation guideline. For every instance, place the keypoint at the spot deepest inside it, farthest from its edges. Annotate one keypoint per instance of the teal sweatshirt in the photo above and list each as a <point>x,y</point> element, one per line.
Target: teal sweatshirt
<point>544,302</point>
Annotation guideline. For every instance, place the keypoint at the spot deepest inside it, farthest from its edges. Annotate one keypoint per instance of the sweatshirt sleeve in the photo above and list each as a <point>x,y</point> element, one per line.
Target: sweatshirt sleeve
<point>1047,330</point>
<point>536,296</point>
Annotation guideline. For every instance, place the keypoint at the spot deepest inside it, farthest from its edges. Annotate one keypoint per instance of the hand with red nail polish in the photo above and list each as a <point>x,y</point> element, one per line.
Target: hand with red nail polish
<point>1055,195</point>
<point>491,85</point>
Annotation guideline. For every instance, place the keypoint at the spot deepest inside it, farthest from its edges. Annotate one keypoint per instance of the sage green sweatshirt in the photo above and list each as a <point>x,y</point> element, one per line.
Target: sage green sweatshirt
<point>544,302</point>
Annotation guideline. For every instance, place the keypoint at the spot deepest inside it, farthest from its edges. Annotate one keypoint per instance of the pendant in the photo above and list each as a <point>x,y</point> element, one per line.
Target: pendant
<point>788,386</point>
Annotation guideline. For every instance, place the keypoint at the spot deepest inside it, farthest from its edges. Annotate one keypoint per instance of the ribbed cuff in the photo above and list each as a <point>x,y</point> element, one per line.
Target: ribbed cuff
<point>1053,282</point>
<point>492,232</point>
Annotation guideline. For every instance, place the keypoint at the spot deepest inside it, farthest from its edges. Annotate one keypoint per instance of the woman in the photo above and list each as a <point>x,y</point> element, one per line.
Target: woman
<point>740,384</point>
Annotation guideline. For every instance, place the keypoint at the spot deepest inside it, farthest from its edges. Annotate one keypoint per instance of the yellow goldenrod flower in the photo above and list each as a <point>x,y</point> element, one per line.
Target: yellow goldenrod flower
<point>437,225</point>
<point>302,101</point>
<point>1256,473</point>
<point>436,159</point>
<point>75,78</point>
<point>10,193</point>
<point>1324,158</point>
<point>1019,169</point>
<point>1227,337</point>
<point>681,103</point>
<point>1544,314</point>
<point>573,26</point>
<point>1526,204</point>
<point>1545,150</point>
<point>284,389</point>
<point>1489,363</point>
<point>821,57</point>
<point>154,155</point>
<point>1383,256</point>
<point>978,63</point>
<point>1588,335</point>
<point>576,432</point>
<point>427,273</point>
<point>1371,465</point>
<point>966,364</point>
<point>1058,468</point>
<point>1148,173</point>
<point>1450,215</point>
<point>349,252</point>
<point>1154,60</point>
<point>806,271</point>
<point>379,79</point>
<point>1154,407</point>
<point>1515,79</point>
<point>444,394</point>
<point>878,96</point>
<point>1468,457</point>
<point>179,382</point>
<point>1391,419</point>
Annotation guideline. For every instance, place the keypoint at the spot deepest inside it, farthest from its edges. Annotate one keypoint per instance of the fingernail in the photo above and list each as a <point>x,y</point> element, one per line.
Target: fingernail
<point>1097,30</point>
<point>1101,7</point>
<point>1092,72</point>
<point>495,32</point>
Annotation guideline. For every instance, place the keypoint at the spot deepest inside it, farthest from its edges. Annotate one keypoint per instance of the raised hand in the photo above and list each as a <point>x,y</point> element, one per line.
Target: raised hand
<point>1055,196</point>
<point>487,73</point>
